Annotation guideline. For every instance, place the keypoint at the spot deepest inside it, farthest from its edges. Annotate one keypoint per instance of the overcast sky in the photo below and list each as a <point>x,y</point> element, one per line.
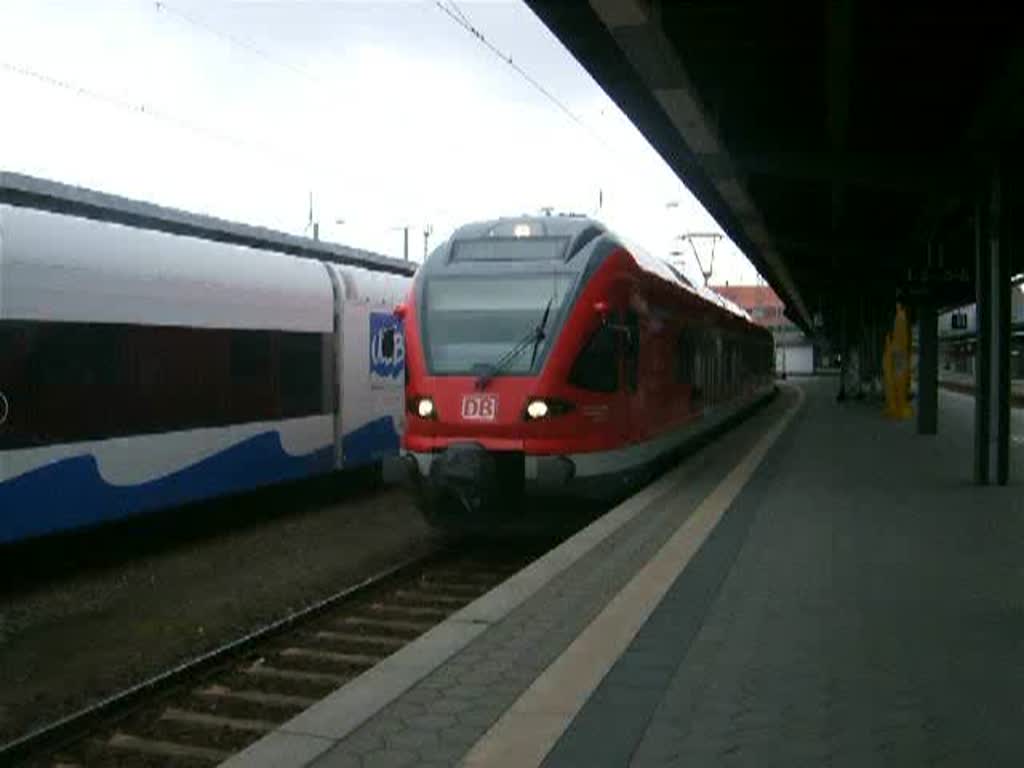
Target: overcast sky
<point>388,111</point>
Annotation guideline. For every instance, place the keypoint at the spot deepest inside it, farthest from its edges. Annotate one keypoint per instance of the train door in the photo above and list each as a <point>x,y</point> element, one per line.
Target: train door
<point>699,376</point>
<point>714,367</point>
<point>635,425</point>
<point>597,372</point>
<point>334,367</point>
<point>689,371</point>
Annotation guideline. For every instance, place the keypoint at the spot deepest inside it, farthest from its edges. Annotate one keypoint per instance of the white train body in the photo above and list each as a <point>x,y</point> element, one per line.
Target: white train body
<point>141,369</point>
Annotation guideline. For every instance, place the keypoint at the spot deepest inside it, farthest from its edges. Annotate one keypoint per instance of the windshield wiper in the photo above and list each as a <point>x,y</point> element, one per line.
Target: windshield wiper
<point>535,337</point>
<point>540,332</point>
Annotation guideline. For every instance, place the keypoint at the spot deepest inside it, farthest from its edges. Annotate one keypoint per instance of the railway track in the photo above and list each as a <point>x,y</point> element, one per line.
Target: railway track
<point>202,712</point>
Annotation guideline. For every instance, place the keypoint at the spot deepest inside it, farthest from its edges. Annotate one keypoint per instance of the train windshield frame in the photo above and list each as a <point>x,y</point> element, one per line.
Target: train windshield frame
<point>469,322</point>
<point>491,249</point>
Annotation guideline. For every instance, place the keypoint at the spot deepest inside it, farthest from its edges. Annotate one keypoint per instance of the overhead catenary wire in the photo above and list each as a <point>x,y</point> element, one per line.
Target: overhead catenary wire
<point>451,9</point>
<point>289,157</point>
<point>455,7</point>
<point>453,12</point>
<point>196,21</point>
<point>156,113</point>
<point>147,110</point>
<point>162,6</point>
<point>141,108</point>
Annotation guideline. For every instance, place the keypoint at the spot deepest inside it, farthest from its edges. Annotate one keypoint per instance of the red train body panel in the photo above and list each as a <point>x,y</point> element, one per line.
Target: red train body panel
<point>629,360</point>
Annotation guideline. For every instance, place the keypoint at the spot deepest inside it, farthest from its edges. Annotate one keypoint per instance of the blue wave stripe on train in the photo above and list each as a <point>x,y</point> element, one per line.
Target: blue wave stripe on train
<point>370,442</point>
<point>71,493</point>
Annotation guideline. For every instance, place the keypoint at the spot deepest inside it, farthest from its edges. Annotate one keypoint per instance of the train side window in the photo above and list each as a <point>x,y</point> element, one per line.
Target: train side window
<point>253,375</point>
<point>680,361</point>
<point>70,382</point>
<point>685,350</point>
<point>596,368</point>
<point>301,366</point>
<point>250,354</point>
<point>632,345</point>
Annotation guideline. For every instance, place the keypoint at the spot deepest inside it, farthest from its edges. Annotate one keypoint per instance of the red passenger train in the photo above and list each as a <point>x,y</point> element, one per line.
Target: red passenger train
<point>545,355</point>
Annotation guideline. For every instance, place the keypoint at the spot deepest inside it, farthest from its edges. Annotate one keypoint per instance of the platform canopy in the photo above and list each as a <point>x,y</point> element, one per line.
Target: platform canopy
<point>843,145</point>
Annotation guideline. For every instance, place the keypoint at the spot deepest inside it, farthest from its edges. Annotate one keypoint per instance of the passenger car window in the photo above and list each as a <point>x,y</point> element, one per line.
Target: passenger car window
<point>684,358</point>
<point>71,382</point>
<point>596,368</point>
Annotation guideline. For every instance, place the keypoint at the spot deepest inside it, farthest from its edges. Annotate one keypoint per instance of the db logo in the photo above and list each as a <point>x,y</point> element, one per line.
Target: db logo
<point>479,407</point>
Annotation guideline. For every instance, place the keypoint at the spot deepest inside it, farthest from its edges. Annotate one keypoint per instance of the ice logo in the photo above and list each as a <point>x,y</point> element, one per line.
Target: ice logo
<point>387,346</point>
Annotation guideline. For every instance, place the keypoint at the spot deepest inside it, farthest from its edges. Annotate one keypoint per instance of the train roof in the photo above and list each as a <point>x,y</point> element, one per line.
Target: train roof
<point>495,241</point>
<point>30,192</point>
<point>115,273</point>
<point>578,231</point>
<point>561,225</point>
<point>666,271</point>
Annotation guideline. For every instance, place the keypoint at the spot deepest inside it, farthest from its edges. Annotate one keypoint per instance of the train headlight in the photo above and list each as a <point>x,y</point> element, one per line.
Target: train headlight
<point>538,408</point>
<point>423,407</point>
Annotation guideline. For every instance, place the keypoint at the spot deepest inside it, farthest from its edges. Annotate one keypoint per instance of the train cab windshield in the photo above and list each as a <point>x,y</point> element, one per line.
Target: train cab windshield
<point>471,322</point>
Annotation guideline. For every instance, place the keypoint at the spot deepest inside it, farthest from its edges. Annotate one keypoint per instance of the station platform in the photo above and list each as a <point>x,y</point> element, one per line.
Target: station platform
<point>964,382</point>
<point>819,586</point>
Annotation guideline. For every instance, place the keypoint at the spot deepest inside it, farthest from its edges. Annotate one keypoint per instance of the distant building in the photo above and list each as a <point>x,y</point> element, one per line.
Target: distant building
<point>958,333</point>
<point>794,352</point>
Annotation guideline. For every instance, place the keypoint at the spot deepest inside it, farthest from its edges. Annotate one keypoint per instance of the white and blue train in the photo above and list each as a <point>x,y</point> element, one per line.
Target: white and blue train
<point>148,358</point>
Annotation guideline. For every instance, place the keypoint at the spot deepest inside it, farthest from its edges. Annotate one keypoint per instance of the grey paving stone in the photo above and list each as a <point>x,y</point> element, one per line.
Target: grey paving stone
<point>483,715</point>
<point>282,750</point>
<point>414,739</point>
<point>390,758</point>
<point>404,709</point>
<point>423,696</point>
<point>433,721</point>
<point>467,692</point>
<point>388,726</point>
<point>365,743</point>
<point>337,759</point>
<point>452,706</point>
<point>461,734</point>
